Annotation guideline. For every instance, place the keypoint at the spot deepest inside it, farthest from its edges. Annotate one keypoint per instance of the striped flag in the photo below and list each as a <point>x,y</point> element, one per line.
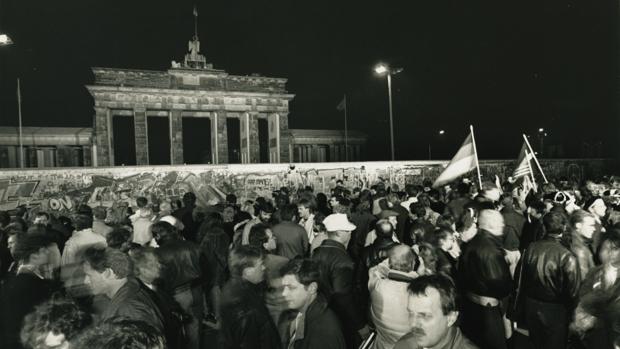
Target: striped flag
<point>523,163</point>
<point>463,162</point>
<point>342,105</point>
<point>195,11</point>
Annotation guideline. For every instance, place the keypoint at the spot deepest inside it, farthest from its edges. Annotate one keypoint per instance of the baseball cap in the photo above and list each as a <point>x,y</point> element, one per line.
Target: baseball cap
<point>387,213</point>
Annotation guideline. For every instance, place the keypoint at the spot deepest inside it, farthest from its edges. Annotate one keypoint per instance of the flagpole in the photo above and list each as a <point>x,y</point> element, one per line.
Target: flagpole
<point>535,159</point>
<point>19,115</point>
<point>530,167</point>
<point>473,140</point>
<point>346,136</point>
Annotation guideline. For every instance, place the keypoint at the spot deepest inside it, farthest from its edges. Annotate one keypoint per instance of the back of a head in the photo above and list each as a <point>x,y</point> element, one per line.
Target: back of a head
<point>555,223</point>
<point>266,207</point>
<point>163,231</point>
<point>119,238</point>
<point>491,221</point>
<point>258,235</point>
<point>100,259</point>
<point>121,333</point>
<point>243,257</point>
<point>29,244</point>
<point>141,202</point>
<point>189,199</point>
<point>146,264</point>
<point>418,209</point>
<point>402,258</point>
<point>444,286</point>
<point>578,216</point>
<point>60,315</point>
<point>288,212</point>
<point>100,212</point>
<point>384,229</point>
<point>82,221</point>
<point>231,199</point>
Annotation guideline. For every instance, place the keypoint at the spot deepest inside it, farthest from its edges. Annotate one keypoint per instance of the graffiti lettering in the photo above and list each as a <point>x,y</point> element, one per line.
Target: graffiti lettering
<point>60,204</point>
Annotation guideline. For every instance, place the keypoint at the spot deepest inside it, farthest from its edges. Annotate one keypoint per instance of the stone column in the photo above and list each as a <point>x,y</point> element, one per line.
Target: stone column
<point>222,137</point>
<point>142,136</point>
<point>176,137</point>
<point>103,137</point>
<point>254,145</point>
<point>86,156</point>
<point>244,129</point>
<point>285,135</point>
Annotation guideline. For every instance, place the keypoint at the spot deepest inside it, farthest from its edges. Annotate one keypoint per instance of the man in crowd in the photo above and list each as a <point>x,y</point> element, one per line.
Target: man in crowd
<point>292,238</point>
<point>182,276</point>
<point>109,272</point>
<point>485,280</point>
<point>388,295</point>
<point>306,209</point>
<point>313,325</point>
<point>186,215</point>
<point>432,311</point>
<point>337,269</point>
<point>99,226</point>
<point>550,292</point>
<point>263,215</point>
<point>142,221</point>
<point>245,320</point>
<point>583,227</point>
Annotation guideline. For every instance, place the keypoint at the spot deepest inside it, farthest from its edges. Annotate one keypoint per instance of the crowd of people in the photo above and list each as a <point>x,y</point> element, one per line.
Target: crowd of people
<point>379,267</point>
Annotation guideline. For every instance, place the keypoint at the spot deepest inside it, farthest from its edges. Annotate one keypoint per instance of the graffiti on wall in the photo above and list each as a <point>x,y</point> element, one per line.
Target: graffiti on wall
<point>61,191</point>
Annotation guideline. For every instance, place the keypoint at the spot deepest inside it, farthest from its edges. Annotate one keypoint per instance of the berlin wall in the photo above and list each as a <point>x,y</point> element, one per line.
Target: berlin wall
<point>61,190</point>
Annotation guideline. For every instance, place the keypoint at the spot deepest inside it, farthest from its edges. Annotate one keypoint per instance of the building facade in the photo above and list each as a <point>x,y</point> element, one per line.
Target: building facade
<point>189,98</point>
<point>326,145</point>
<point>46,147</point>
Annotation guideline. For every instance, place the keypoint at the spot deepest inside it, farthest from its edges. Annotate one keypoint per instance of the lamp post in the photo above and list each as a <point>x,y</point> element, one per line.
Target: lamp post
<point>541,136</point>
<point>383,69</point>
<point>5,40</point>
<point>440,133</point>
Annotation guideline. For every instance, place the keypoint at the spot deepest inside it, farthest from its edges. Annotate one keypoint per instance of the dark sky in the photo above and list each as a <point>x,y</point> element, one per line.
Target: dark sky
<point>505,67</point>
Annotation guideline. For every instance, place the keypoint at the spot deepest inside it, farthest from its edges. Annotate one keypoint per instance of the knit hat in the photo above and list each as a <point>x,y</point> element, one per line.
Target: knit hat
<point>338,222</point>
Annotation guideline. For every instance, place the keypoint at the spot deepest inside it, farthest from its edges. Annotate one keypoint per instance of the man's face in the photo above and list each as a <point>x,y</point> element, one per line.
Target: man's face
<point>41,220</point>
<point>95,280</point>
<point>295,293</point>
<point>270,245</point>
<point>586,227</point>
<point>303,211</point>
<point>256,273</point>
<point>428,323</point>
<point>393,221</point>
<point>609,254</point>
<point>598,208</point>
<point>264,216</point>
<point>447,243</point>
<point>333,202</point>
<point>12,241</point>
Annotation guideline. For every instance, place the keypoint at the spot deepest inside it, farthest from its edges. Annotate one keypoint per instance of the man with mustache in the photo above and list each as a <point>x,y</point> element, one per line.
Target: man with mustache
<point>432,315</point>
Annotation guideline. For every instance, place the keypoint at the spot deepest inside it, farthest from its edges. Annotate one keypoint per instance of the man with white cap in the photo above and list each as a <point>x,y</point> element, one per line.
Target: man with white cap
<point>337,274</point>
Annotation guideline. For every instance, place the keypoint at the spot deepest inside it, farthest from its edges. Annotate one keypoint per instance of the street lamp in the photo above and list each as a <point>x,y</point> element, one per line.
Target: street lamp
<point>440,133</point>
<point>383,69</point>
<point>5,40</point>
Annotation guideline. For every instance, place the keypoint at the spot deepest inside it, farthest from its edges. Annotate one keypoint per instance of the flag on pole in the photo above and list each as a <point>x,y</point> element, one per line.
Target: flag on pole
<point>463,162</point>
<point>342,105</point>
<point>195,11</point>
<point>523,163</point>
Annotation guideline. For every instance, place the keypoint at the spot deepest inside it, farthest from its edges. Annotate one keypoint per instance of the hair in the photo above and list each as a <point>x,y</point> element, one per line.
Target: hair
<point>438,235</point>
<point>82,221</point>
<point>428,253</point>
<point>38,229</point>
<point>307,203</point>
<point>537,205</point>
<point>288,212</point>
<point>100,259</point>
<point>443,284</point>
<point>141,201</point>
<point>446,220</point>
<point>382,232</point>
<point>555,223</point>
<point>29,244</point>
<point>393,198</point>
<point>119,238</point>
<point>59,315</point>
<point>85,210</point>
<point>146,264</point>
<point>507,200</point>
<point>306,271</point>
<point>212,221</point>
<point>418,209</point>
<point>189,199</point>
<point>265,206</point>
<point>402,258</point>
<point>231,198</point>
<point>164,231</point>
<point>243,257</point>
<point>258,235</point>
<point>100,212</point>
<point>578,216</point>
<point>42,214</point>
<point>122,333</point>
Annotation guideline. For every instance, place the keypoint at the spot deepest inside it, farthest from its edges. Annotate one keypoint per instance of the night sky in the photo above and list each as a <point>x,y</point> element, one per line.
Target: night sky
<point>505,67</point>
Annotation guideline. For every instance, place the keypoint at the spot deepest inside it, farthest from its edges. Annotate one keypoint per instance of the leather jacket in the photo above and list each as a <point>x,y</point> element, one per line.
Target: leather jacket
<point>377,252</point>
<point>181,264</point>
<point>582,249</point>
<point>550,272</point>
<point>483,269</point>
